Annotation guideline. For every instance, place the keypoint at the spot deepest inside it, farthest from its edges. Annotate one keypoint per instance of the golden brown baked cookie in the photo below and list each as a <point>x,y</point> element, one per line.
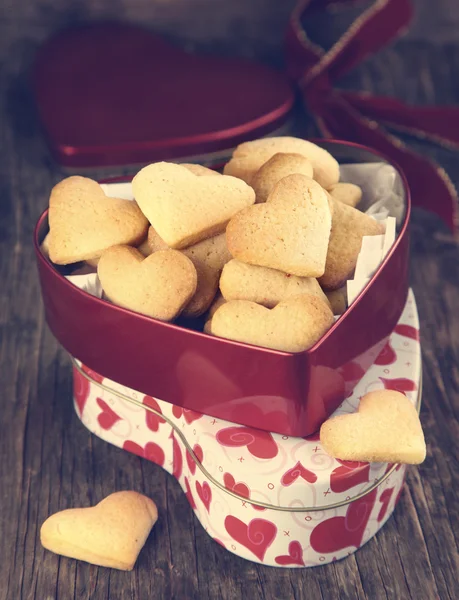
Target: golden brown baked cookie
<point>293,325</point>
<point>158,286</point>
<point>84,222</point>
<point>209,258</point>
<point>268,287</point>
<point>338,300</point>
<point>386,428</point>
<point>290,232</point>
<point>110,534</point>
<point>347,193</point>
<point>185,208</point>
<point>349,226</point>
<point>250,156</point>
<point>276,168</point>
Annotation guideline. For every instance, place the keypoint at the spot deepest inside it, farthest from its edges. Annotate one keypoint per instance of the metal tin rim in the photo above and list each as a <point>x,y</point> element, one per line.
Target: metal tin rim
<point>212,479</point>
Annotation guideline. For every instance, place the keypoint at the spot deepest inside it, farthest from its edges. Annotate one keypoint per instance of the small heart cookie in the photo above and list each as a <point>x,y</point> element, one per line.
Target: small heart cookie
<point>144,248</point>
<point>290,232</point>
<point>276,168</point>
<point>338,300</point>
<point>208,257</point>
<point>158,286</point>
<point>347,193</point>
<point>349,226</point>
<point>386,428</point>
<point>84,222</point>
<point>110,534</point>
<point>293,325</point>
<point>268,287</point>
<point>250,156</point>
<point>185,208</point>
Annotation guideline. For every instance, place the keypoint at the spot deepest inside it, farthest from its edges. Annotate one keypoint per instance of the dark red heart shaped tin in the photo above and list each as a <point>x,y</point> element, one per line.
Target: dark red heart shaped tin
<point>286,393</point>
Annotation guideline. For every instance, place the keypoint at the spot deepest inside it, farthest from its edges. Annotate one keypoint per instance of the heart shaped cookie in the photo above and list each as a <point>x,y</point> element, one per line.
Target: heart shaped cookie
<point>290,232</point>
<point>110,534</point>
<point>158,286</point>
<point>293,325</point>
<point>250,156</point>
<point>185,208</point>
<point>276,168</point>
<point>208,257</point>
<point>84,222</point>
<point>347,193</point>
<point>240,281</point>
<point>349,226</point>
<point>386,428</point>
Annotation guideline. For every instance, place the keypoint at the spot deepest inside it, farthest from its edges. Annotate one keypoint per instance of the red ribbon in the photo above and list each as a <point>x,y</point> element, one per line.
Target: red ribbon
<point>361,117</point>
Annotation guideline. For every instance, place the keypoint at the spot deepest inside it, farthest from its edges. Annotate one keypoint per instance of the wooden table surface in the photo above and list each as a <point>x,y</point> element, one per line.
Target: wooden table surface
<point>49,461</point>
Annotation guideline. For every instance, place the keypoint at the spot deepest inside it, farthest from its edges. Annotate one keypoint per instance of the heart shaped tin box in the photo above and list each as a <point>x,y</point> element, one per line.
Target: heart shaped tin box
<point>290,394</point>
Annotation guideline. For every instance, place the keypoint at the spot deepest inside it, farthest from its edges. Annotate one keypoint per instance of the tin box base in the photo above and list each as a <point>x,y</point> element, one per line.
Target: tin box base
<point>272,499</point>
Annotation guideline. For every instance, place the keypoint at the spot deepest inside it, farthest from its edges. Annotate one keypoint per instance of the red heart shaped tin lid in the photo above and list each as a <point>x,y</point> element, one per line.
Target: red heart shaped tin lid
<point>115,94</point>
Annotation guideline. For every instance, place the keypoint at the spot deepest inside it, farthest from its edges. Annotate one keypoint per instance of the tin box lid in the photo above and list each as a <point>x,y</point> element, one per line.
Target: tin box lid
<point>115,94</point>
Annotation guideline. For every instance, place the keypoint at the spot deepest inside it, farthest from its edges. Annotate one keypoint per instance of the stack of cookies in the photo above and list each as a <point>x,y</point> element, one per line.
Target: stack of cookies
<point>264,250</point>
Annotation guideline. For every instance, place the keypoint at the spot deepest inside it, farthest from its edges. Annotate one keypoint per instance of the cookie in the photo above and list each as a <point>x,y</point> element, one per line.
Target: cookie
<point>241,281</point>
<point>155,242</point>
<point>250,156</point>
<point>144,248</point>
<point>386,428</point>
<point>293,325</point>
<point>290,232</point>
<point>347,193</point>
<point>84,222</point>
<point>158,286</point>
<point>219,300</point>
<point>276,168</point>
<point>185,208</point>
<point>199,169</point>
<point>110,534</point>
<point>349,226</point>
<point>208,257</point>
<point>338,300</point>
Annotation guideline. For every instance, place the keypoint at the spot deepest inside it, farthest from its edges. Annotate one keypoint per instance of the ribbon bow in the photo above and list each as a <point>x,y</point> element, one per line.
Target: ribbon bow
<point>357,116</point>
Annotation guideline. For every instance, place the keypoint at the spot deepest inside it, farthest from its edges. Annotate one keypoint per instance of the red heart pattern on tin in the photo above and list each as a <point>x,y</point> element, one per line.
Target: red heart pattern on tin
<point>387,356</point>
<point>205,494</point>
<point>153,420</point>
<point>151,451</point>
<point>81,389</point>
<point>199,455</point>
<point>294,556</point>
<point>400,384</point>
<point>338,533</point>
<point>257,535</point>
<point>108,417</point>
<point>348,475</point>
<point>259,443</point>
<point>298,471</point>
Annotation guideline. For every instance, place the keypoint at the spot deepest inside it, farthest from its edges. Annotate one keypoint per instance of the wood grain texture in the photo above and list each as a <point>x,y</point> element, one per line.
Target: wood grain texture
<point>49,461</point>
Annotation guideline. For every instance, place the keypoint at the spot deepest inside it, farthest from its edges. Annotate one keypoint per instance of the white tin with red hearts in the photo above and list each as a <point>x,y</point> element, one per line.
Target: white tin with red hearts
<point>269,498</point>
